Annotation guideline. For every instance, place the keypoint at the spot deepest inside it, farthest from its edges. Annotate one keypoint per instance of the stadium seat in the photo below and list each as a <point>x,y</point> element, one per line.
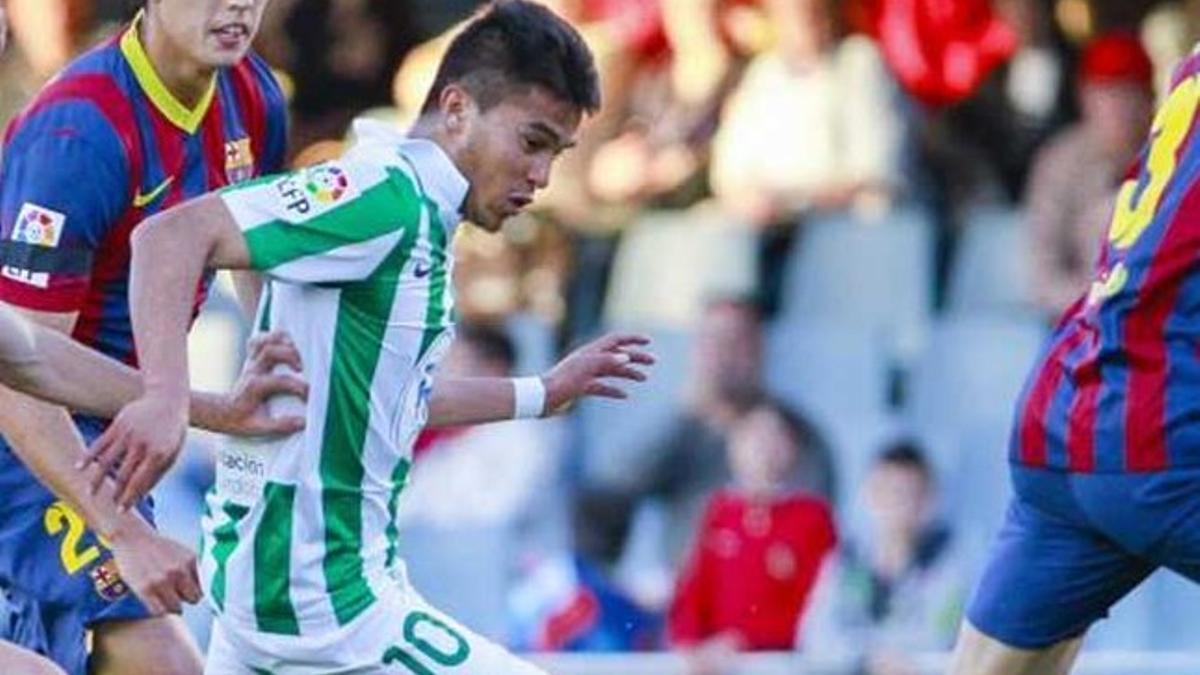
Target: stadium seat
<point>837,375</point>
<point>610,434</point>
<point>972,371</point>
<point>876,273</point>
<point>669,262</point>
<point>990,271</point>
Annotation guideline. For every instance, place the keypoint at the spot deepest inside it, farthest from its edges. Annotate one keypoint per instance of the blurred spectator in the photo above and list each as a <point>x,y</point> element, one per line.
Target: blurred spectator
<point>899,589</point>
<point>49,32</point>
<point>940,50</point>
<point>496,472</point>
<point>982,148</point>
<point>758,550</point>
<point>1071,188</point>
<point>573,602</point>
<point>688,462</point>
<point>812,125</point>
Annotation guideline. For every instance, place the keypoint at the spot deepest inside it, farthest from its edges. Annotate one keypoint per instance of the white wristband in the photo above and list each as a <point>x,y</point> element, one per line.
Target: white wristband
<point>529,397</point>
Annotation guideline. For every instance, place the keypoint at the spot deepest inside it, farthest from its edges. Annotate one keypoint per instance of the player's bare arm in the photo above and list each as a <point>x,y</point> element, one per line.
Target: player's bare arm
<point>149,431</point>
<point>50,366</point>
<point>587,371</point>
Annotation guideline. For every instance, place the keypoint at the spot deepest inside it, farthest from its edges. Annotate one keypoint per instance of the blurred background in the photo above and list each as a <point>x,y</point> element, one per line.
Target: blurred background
<point>847,225</point>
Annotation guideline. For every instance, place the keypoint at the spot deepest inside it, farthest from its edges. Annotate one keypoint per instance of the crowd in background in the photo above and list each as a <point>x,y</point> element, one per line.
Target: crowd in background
<point>771,184</point>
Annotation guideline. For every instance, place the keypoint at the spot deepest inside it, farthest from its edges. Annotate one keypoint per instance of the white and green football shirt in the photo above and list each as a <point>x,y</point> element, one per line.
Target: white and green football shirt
<point>299,533</point>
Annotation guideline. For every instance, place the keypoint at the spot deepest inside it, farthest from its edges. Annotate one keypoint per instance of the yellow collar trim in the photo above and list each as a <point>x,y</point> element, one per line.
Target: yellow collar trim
<point>159,95</point>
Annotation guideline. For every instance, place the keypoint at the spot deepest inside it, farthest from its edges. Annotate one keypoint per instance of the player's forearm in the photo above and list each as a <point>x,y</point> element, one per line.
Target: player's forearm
<point>458,401</point>
<point>60,370</point>
<point>167,264</point>
<point>45,439</point>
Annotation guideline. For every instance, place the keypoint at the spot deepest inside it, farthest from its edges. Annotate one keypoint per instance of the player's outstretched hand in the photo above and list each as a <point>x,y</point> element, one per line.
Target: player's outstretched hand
<point>242,412</point>
<point>589,370</point>
<point>141,444</point>
<point>159,570</point>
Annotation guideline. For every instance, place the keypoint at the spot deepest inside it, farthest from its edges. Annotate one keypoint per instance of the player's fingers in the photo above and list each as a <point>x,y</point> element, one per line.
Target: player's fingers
<point>270,385</point>
<point>129,465</point>
<point>640,357</point>
<point>97,448</point>
<point>108,457</point>
<point>144,478</point>
<point>275,354</point>
<point>622,340</point>
<point>628,373</point>
<point>605,391</point>
<point>280,426</point>
<point>189,585</point>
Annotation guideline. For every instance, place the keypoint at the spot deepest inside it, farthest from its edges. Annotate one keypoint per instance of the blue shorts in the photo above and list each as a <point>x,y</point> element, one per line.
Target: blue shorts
<point>1072,545</point>
<point>61,580</point>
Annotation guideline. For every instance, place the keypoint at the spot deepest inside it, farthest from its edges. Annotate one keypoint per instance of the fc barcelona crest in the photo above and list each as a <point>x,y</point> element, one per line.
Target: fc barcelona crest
<point>239,161</point>
<point>107,580</point>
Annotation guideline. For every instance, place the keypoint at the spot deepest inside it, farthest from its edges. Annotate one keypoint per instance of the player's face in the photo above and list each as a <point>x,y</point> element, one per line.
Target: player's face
<point>215,33</point>
<point>507,151</point>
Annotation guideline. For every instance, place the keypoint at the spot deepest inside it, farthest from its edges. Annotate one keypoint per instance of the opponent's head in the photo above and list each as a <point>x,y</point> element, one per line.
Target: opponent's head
<point>214,33</point>
<point>507,100</point>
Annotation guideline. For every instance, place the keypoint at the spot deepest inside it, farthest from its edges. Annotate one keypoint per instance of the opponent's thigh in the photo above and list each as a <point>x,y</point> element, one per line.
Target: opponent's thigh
<point>17,661</point>
<point>979,654</point>
<point>156,646</point>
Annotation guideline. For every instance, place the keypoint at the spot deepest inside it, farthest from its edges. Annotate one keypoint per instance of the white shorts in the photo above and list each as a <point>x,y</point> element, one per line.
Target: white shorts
<point>398,635</point>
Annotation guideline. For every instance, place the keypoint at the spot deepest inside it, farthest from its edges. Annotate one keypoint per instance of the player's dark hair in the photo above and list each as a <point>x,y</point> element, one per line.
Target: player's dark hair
<point>492,343</point>
<point>515,45</point>
<point>907,454</point>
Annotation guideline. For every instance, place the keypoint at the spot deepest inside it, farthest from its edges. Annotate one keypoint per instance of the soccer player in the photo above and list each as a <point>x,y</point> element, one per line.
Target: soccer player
<point>172,107</point>
<point>300,550</point>
<point>1105,446</point>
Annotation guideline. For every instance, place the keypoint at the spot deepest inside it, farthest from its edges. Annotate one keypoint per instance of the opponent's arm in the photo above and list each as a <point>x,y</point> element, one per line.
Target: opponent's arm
<point>47,364</point>
<point>476,400</point>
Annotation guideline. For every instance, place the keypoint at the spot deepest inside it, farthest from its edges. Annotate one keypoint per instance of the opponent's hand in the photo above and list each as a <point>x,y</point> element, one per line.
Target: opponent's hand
<point>160,571</point>
<point>242,411</point>
<point>141,444</point>
<point>585,371</point>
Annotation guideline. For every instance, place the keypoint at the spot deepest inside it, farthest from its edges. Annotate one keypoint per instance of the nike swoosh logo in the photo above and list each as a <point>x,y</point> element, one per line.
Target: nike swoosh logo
<point>422,272</point>
<point>140,200</point>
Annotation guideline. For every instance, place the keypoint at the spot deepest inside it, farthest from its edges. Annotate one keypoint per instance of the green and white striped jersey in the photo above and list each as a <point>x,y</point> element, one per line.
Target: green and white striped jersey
<point>299,534</point>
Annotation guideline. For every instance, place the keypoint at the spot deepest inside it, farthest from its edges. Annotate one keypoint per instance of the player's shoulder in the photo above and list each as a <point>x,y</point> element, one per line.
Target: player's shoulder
<point>88,99</point>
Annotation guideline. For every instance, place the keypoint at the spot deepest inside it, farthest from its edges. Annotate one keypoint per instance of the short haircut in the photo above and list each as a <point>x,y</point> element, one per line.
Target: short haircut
<point>513,46</point>
<point>492,343</point>
<point>905,453</point>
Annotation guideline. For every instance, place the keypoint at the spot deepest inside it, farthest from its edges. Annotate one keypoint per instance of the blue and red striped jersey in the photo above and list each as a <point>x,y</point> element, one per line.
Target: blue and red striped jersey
<point>1117,387</point>
<point>103,146</point>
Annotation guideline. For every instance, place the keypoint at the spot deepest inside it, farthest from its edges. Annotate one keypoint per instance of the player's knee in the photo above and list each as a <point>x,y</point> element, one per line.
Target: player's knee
<point>157,646</point>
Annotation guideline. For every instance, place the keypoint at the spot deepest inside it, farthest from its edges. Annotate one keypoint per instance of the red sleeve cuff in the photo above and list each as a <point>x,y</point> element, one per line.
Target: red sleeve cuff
<point>66,296</point>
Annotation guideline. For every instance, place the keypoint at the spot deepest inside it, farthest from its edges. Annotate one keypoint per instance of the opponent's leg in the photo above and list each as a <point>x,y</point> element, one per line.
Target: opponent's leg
<point>978,654</point>
<point>156,646</point>
<point>17,661</point>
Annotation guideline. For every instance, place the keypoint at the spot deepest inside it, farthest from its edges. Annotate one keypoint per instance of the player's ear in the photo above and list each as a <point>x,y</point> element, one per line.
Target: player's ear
<point>457,108</point>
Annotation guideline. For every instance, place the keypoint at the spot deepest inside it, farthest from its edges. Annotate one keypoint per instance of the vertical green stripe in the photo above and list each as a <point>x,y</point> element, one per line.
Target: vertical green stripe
<point>435,311</point>
<point>363,312</point>
<point>399,477</point>
<point>273,608</point>
<point>225,540</point>
<point>264,318</point>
